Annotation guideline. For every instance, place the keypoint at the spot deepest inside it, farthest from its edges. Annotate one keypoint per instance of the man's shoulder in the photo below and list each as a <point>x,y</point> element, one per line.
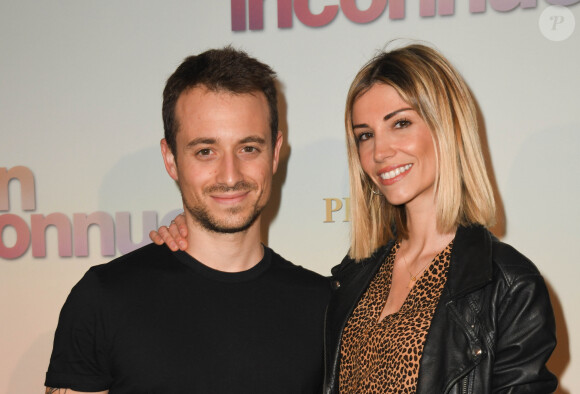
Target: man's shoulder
<point>147,260</point>
<point>297,273</point>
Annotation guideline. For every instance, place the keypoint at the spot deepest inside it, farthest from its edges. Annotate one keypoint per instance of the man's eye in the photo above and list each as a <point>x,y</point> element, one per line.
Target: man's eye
<point>204,152</point>
<point>249,149</point>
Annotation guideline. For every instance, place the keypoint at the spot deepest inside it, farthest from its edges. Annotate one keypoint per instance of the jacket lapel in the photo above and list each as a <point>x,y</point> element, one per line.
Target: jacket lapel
<point>471,266</point>
<point>470,269</point>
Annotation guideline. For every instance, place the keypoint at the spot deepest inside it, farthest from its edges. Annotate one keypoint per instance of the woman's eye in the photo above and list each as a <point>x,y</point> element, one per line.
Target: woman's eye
<point>364,136</point>
<point>402,123</point>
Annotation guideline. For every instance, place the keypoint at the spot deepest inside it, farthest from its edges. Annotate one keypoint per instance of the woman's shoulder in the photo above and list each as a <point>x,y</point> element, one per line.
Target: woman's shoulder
<point>511,263</point>
<point>483,251</point>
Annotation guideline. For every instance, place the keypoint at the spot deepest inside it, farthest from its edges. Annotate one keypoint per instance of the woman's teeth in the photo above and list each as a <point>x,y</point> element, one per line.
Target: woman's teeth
<point>395,172</point>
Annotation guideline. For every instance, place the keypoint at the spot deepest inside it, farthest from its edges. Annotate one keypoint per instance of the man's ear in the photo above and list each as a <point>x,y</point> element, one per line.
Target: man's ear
<point>277,146</point>
<point>169,160</point>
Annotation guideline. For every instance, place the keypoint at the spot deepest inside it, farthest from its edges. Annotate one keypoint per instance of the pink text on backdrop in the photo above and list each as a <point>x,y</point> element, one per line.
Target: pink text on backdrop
<point>427,8</point>
<point>71,234</point>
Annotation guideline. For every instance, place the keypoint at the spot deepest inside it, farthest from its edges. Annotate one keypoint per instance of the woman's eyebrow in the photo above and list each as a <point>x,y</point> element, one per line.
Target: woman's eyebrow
<point>387,117</point>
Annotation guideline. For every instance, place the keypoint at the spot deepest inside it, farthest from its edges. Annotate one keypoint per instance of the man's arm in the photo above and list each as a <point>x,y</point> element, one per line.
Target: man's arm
<point>79,362</point>
<point>50,390</point>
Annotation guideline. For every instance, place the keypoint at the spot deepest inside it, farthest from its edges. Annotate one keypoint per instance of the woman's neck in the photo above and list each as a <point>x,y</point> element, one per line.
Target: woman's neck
<point>423,233</point>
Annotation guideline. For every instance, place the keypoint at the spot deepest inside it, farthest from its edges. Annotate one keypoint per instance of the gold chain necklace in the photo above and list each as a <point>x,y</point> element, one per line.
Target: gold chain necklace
<point>413,278</point>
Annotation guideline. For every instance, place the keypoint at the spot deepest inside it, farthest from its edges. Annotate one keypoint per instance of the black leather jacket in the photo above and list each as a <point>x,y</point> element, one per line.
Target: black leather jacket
<point>493,329</point>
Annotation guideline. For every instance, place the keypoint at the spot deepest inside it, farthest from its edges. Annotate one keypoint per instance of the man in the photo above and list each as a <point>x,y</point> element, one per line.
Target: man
<point>227,315</point>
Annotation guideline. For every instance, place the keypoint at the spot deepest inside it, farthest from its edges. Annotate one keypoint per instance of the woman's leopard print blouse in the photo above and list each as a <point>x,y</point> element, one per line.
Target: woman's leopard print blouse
<point>383,357</point>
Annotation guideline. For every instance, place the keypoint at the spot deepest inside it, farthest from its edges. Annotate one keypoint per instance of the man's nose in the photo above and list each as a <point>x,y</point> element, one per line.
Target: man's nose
<point>229,171</point>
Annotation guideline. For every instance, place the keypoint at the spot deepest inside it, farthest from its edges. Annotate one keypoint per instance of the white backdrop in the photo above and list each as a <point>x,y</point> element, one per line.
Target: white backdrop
<point>80,111</point>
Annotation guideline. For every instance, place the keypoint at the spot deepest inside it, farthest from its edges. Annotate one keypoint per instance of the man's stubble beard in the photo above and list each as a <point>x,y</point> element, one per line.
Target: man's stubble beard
<point>200,213</point>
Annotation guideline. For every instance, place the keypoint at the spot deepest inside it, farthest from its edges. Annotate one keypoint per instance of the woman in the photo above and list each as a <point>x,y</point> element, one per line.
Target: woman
<point>427,300</point>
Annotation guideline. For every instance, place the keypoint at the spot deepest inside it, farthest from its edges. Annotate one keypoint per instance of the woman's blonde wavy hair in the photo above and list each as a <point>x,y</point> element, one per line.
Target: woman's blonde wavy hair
<point>436,91</point>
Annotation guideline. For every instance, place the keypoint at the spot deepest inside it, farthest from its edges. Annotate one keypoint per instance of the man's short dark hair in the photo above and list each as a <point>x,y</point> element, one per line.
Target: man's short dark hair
<point>227,70</point>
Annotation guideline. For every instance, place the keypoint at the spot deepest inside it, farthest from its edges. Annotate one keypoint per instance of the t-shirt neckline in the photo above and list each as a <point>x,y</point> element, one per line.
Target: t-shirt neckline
<point>221,276</point>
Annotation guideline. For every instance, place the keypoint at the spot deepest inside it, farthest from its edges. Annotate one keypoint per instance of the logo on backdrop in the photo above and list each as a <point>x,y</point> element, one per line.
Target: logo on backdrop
<point>337,209</point>
<point>250,13</point>
<point>557,23</point>
<point>72,234</point>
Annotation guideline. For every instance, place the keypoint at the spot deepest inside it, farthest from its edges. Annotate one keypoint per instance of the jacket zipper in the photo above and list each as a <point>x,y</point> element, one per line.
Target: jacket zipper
<point>464,386</point>
<point>464,382</point>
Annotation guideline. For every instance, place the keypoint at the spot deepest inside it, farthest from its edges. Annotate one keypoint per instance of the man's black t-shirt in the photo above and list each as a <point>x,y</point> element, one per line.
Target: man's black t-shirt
<point>154,321</point>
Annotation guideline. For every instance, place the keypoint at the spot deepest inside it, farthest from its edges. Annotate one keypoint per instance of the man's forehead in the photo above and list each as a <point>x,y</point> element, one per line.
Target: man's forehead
<point>221,117</point>
<point>204,102</point>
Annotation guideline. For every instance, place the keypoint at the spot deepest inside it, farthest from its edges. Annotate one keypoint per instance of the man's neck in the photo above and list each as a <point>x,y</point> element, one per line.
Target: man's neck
<point>233,252</point>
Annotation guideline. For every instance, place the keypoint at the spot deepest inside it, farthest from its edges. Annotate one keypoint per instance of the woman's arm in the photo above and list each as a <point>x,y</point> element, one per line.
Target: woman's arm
<point>525,338</point>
